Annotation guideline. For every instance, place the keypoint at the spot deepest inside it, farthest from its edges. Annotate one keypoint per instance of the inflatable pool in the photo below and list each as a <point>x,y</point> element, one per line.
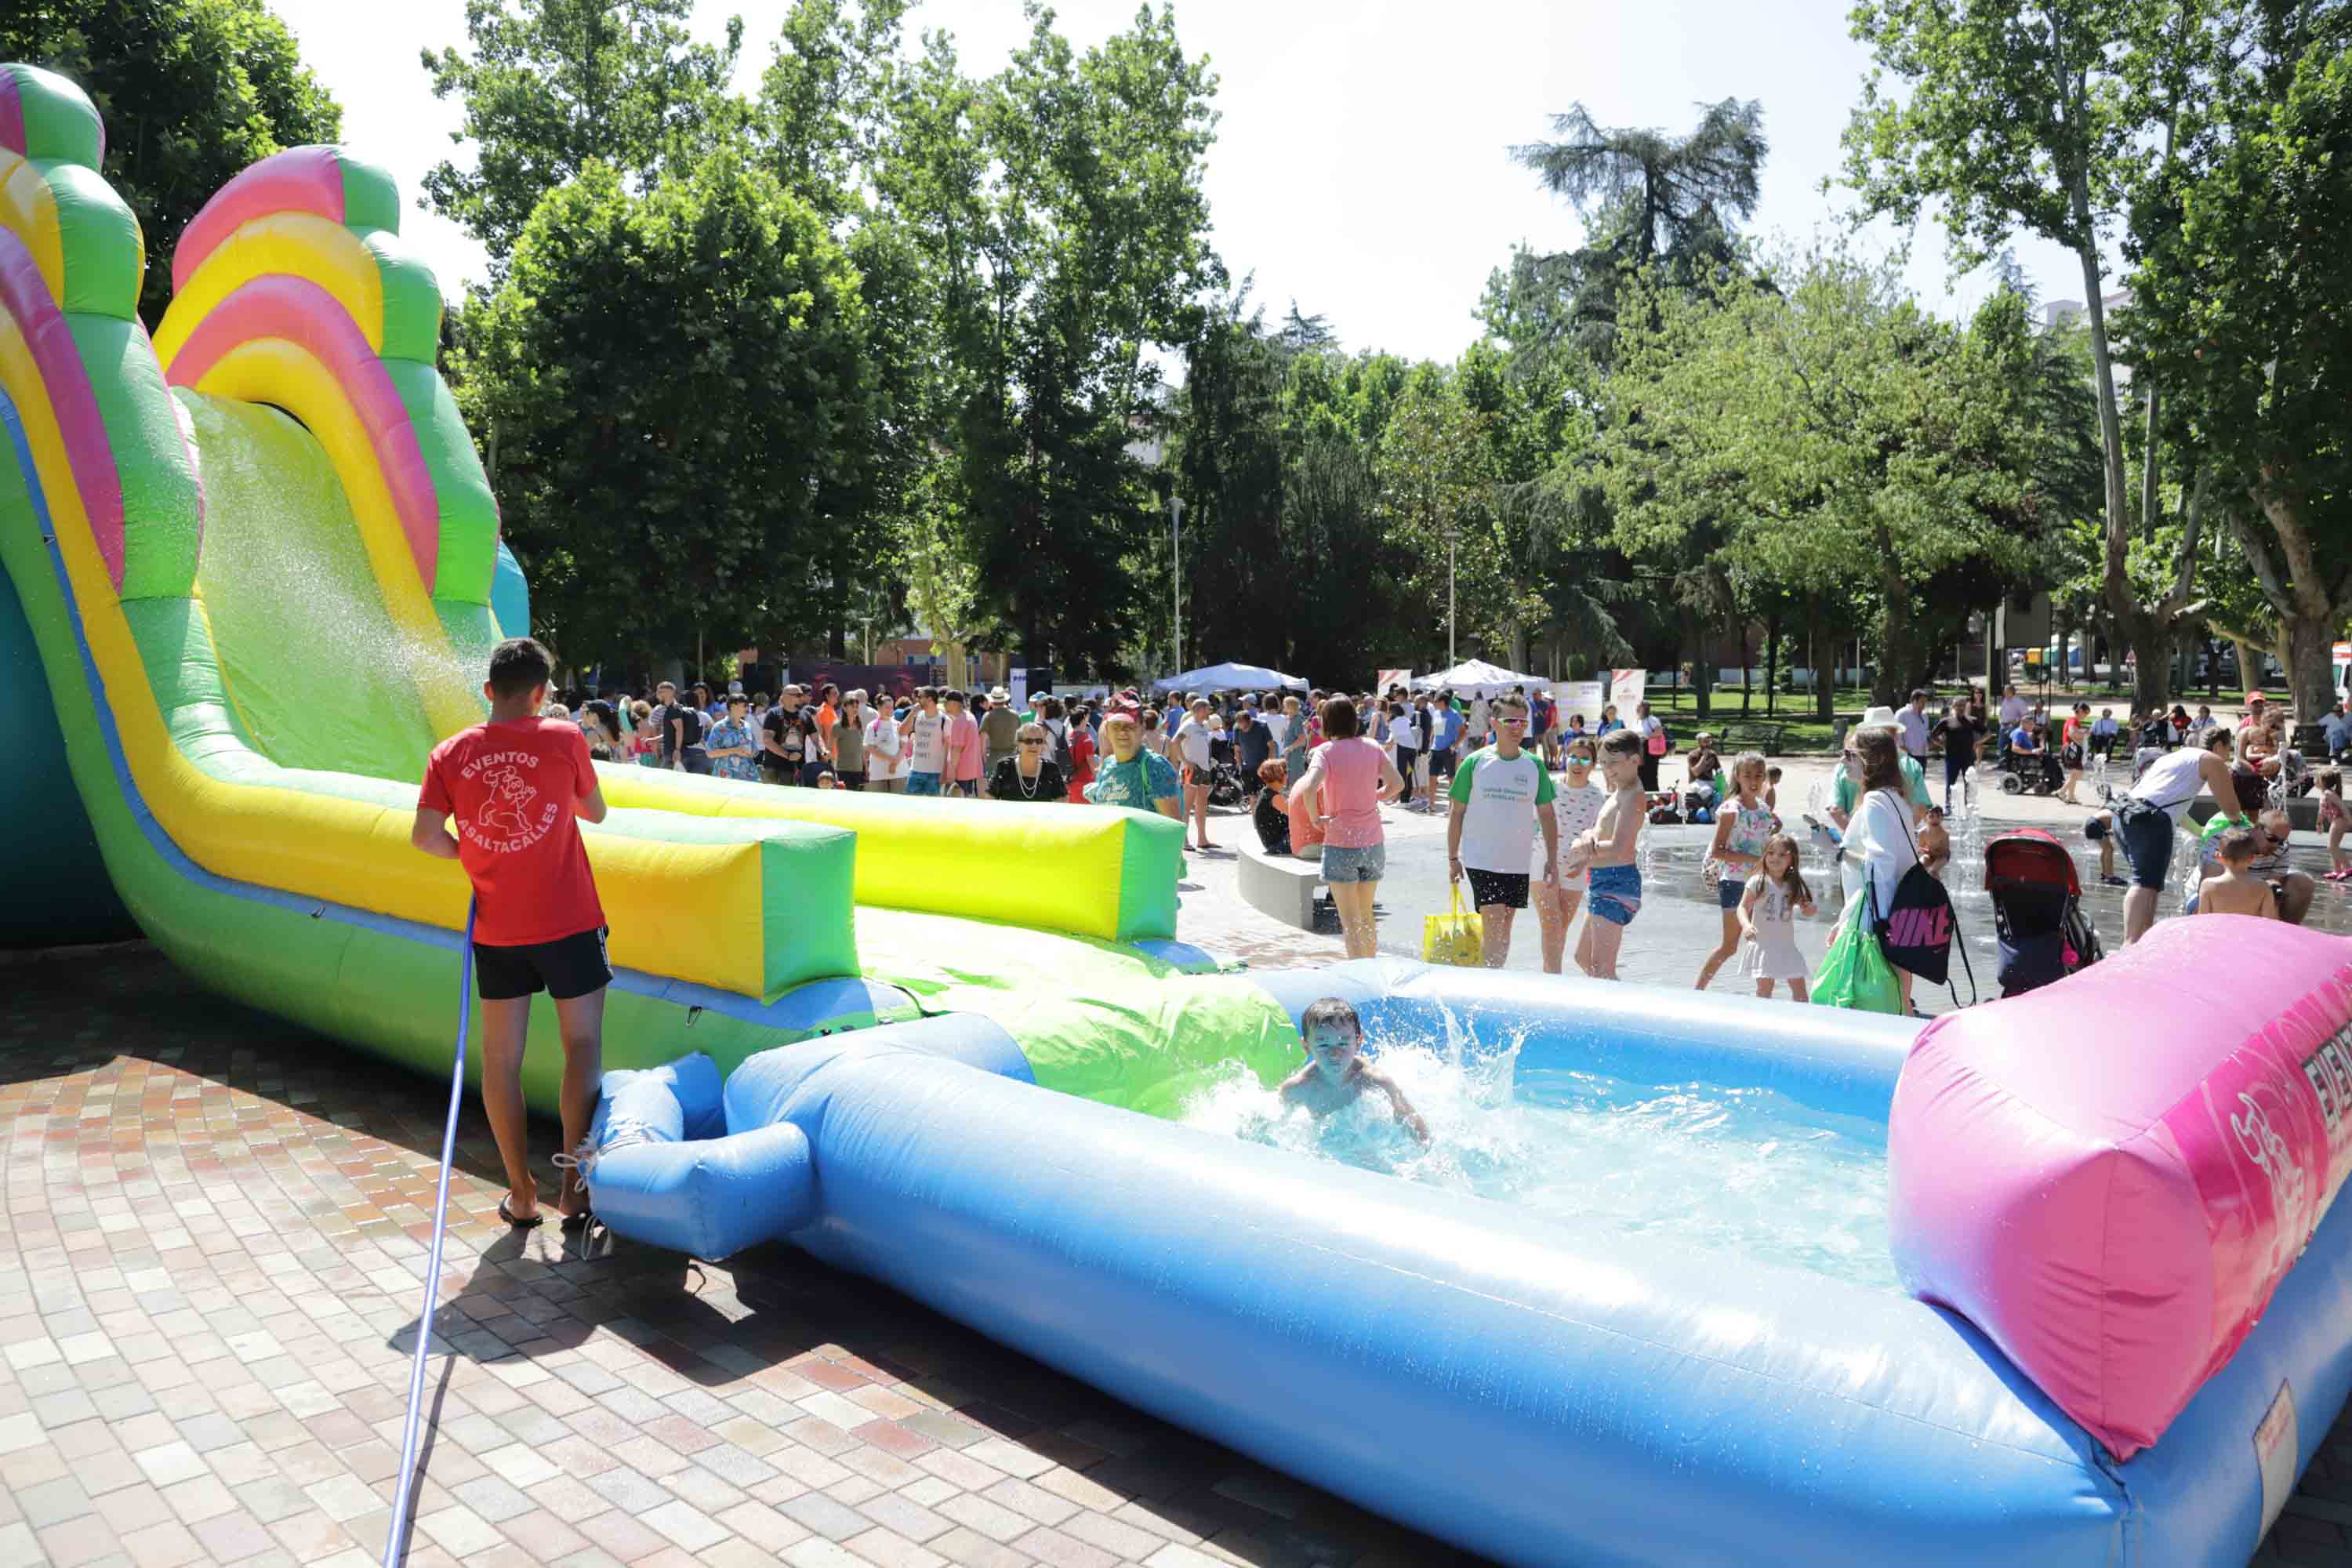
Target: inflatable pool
<point>1577,1392</point>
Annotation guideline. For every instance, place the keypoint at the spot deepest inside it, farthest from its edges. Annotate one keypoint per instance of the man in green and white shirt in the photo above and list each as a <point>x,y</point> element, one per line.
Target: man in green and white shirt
<point>1500,792</point>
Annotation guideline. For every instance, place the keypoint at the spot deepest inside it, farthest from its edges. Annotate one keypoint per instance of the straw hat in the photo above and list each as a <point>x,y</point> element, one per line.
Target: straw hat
<point>1877,719</point>
<point>998,694</point>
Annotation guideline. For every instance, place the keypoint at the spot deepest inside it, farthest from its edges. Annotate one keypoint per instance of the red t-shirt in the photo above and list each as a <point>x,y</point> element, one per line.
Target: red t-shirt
<point>1082,764</point>
<point>509,790</point>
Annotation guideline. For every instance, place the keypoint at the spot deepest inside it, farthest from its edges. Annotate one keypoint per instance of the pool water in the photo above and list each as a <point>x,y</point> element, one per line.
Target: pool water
<point>1743,1171</point>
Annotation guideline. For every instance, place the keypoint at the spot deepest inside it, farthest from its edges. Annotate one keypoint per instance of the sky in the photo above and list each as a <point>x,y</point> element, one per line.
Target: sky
<point>1361,164</point>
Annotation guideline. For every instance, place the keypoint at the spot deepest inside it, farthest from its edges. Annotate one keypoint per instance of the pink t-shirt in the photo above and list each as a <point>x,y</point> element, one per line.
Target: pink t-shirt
<point>964,747</point>
<point>1351,792</point>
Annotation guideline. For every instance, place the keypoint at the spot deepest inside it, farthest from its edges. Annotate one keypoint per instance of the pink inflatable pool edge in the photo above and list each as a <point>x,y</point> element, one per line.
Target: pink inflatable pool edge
<point>2110,1176</point>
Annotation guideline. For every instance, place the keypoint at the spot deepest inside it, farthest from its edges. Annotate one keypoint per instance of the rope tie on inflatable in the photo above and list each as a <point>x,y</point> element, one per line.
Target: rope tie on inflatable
<point>621,1132</point>
<point>395,1545</point>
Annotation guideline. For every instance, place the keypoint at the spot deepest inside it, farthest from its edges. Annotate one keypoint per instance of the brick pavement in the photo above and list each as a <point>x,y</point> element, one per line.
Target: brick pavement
<point>211,1248</point>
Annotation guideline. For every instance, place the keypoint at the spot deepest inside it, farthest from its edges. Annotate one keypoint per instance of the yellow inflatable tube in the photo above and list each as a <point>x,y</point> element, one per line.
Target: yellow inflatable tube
<point>1093,870</point>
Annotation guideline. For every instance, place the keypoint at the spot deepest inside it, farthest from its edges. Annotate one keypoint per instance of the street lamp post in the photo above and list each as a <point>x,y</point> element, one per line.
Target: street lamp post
<point>1176,563</point>
<point>1451,660</point>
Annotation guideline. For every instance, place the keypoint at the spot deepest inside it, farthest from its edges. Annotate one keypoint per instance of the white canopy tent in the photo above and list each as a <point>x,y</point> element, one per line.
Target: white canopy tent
<point>1476,678</point>
<point>1230,678</point>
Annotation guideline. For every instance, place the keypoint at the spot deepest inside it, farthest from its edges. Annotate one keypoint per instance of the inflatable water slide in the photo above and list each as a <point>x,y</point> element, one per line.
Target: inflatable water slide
<point>1681,1279</point>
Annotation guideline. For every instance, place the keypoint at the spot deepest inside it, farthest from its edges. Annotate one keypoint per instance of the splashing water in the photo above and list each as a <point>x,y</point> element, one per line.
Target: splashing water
<point>1744,1171</point>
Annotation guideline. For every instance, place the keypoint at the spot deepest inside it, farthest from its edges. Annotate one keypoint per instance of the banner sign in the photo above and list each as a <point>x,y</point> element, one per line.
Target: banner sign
<point>1391,679</point>
<point>1625,689</point>
<point>1579,699</point>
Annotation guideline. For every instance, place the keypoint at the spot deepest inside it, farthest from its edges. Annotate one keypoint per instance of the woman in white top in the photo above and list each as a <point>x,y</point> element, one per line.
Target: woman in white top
<point>1878,846</point>
<point>886,765</point>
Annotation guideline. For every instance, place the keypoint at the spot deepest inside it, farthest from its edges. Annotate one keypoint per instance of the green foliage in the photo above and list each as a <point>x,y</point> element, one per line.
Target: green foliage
<point>191,92</point>
<point>1060,202</point>
<point>1652,203</point>
<point>2036,115</point>
<point>672,384</point>
<point>2243,308</point>
<point>558,85</point>
<point>1826,433</point>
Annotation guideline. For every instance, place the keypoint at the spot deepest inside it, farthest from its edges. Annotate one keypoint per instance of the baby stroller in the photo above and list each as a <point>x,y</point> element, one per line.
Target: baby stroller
<point>2037,911</point>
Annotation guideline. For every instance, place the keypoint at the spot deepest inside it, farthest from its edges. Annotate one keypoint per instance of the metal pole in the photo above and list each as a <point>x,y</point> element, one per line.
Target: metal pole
<point>1451,660</point>
<point>1176,560</point>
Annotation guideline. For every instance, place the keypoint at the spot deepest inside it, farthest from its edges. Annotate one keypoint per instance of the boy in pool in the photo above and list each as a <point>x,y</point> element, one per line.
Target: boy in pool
<point>1336,1071</point>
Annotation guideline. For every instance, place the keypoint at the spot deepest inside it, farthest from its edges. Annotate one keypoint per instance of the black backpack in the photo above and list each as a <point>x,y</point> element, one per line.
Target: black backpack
<point>1062,757</point>
<point>690,720</point>
<point>1919,932</point>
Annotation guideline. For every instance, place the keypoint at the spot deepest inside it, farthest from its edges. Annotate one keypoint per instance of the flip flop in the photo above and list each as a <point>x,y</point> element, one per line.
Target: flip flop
<point>531,1224</point>
<point>574,1221</point>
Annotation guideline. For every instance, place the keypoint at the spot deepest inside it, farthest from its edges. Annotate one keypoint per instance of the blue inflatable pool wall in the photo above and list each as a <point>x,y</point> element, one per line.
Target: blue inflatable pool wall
<point>1538,1390</point>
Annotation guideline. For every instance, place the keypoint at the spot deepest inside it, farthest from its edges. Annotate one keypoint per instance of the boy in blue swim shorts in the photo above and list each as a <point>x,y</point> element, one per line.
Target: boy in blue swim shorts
<point>1605,851</point>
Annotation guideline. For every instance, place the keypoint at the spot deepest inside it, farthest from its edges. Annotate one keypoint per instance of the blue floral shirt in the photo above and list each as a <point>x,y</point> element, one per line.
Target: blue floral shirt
<point>1141,783</point>
<point>726,734</point>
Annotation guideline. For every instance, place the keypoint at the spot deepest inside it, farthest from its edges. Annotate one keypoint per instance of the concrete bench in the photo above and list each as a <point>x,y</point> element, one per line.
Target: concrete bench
<point>1279,886</point>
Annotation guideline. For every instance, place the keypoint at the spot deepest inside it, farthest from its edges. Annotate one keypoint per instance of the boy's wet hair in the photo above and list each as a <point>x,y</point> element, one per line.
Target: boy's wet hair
<point>519,666</point>
<point>1332,1011</point>
<point>2239,846</point>
<point>1621,743</point>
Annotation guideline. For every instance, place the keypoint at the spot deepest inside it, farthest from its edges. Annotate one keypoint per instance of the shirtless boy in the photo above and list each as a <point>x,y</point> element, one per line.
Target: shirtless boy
<point>2237,890</point>
<point>1336,1071</point>
<point>1606,851</point>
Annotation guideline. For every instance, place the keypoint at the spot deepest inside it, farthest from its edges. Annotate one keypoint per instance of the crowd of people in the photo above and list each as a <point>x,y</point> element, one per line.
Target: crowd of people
<point>1507,767</point>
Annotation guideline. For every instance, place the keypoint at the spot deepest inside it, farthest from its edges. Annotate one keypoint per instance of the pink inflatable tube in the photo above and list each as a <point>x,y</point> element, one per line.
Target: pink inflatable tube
<point>300,312</point>
<point>2110,1176</point>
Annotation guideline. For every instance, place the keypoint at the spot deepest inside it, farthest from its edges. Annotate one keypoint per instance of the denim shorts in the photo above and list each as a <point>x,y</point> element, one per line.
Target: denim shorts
<point>1367,863</point>
<point>2147,834</point>
<point>1729,892</point>
<point>922,783</point>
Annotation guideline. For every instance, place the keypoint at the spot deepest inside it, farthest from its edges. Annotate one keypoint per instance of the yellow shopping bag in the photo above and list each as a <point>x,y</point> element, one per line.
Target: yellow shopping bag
<point>1458,937</point>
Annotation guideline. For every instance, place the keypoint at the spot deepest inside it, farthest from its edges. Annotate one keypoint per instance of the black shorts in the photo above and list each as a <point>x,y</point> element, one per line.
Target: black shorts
<point>567,967</point>
<point>1441,762</point>
<point>1508,889</point>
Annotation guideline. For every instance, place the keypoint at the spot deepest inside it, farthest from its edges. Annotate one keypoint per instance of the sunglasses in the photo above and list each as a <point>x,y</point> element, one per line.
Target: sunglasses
<point>1029,743</point>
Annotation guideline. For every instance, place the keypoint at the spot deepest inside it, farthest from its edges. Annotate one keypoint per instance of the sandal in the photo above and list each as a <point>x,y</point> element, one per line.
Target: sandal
<point>507,1215</point>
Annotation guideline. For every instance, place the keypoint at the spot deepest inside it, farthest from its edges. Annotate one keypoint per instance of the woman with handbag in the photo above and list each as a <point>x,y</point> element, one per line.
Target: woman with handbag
<point>1878,845</point>
<point>1653,745</point>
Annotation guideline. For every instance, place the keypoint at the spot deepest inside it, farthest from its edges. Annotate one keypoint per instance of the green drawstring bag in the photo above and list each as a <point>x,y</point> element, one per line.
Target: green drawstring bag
<point>1855,972</point>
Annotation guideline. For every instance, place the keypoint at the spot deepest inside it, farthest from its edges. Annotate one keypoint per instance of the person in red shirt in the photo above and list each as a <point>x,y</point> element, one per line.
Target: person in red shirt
<point>1082,756</point>
<point>505,800</point>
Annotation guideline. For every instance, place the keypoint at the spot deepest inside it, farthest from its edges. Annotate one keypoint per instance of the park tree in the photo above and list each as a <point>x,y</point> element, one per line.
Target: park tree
<point>672,384</point>
<point>191,92</point>
<point>2036,115</point>
<point>1650,200</point>
<point>550,87</point>
<point>2244,309</point>
<point>1061,202</point>
<point>1825,431</point>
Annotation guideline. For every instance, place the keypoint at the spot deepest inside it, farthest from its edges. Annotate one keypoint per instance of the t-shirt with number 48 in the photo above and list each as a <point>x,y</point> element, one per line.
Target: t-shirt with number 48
<point>1499,799</point>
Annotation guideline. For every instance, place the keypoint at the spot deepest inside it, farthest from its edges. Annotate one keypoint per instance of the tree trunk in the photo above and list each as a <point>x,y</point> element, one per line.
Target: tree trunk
<point>2144,631</point>
<point>1694,641</point>
<point>1822,682</point>
<point>2250,668</point>
<point>1895,623</point>
<point>1772,661</point>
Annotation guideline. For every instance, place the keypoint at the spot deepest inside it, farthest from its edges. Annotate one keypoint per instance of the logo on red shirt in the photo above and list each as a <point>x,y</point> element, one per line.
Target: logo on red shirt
<point>506,820</point>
